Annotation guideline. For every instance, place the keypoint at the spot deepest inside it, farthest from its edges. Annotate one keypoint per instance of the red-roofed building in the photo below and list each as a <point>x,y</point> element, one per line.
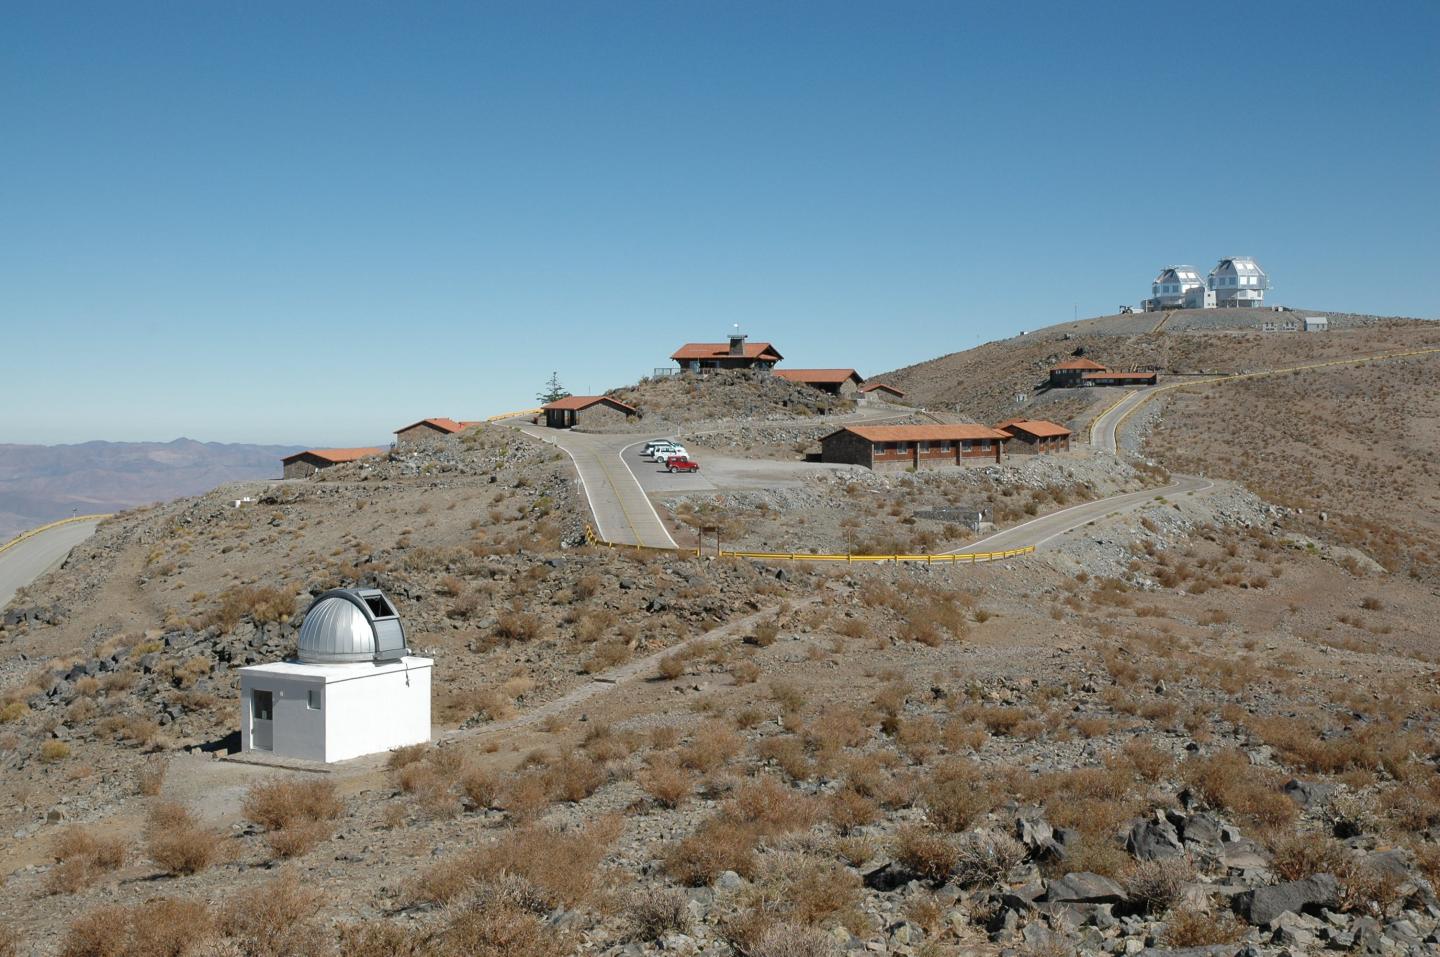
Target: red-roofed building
<point>736,354</point>
<point>1073,373</point>
<point>307,463</point>
<point>1035,436</point>
<point>1111,377</point>
<point>428,430</point>
<point>881,391</point>
<point>888,447</point>
<point>833,381</point>
<point>592,411</point>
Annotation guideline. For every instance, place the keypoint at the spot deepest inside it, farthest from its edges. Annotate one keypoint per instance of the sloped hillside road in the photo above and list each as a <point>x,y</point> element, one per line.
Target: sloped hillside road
<point>1103,430</point>
<point>1041,531</point>
<point>27,560</point>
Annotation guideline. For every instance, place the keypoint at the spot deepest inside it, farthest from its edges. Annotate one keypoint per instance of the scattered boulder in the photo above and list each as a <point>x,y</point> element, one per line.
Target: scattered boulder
<point>1084,887</point>
<point>1152,840</point>
<point>1264,904</point>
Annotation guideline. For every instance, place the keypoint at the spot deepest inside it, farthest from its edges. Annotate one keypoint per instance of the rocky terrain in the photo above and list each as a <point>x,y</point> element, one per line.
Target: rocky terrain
<point>1208,727</point>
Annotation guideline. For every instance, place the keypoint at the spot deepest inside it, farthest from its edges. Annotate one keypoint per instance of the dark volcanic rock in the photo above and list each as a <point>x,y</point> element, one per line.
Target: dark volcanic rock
<point>1084,887</point>
<point>1264,904</point>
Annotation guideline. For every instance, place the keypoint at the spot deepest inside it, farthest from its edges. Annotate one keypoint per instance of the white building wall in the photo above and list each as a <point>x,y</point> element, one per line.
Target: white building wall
<point>388,708</point>
<point>363,708</point>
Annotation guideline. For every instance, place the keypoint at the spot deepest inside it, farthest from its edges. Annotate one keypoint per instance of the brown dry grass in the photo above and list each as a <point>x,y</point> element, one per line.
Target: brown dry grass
<point>296,814</point>
<point>83,858</point>
<point>179,844</point>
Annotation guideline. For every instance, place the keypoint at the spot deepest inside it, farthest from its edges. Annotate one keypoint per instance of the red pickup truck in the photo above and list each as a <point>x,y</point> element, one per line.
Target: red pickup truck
<point>681,464</point>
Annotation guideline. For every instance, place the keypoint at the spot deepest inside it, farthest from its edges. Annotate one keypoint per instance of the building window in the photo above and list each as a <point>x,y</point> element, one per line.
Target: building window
<point>312,699</point>
<point>262,705</point>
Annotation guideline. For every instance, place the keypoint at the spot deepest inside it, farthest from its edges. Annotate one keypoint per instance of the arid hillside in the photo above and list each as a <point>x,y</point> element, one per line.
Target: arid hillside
<point>1357,448</point>
<point>987,381</point>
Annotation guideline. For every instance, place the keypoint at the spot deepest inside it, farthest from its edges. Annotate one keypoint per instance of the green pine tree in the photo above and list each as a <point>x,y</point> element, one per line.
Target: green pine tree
<point>553,391</point>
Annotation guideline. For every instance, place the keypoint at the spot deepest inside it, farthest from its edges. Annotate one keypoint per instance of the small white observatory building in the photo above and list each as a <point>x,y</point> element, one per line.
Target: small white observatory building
<point>352,689</point>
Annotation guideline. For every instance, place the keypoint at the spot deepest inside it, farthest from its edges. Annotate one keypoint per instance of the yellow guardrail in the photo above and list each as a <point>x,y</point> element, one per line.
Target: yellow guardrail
<point>45,528</point>
<point>961,558</point>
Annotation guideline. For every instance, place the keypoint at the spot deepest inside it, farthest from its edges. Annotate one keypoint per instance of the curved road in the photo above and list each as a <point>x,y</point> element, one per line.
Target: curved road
<point>1102,430</point>
<point>26,561</point>
<point>1041,531</point>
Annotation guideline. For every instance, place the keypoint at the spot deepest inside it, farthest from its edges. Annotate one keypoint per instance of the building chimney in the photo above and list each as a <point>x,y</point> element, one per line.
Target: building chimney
<point>737,341</point>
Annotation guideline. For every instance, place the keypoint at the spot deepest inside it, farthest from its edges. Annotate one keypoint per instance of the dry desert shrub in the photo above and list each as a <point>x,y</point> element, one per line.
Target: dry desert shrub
<point>957,793</point>
<point>983,858</point>
<point>157,928</point>
<point>668,784</point>
<point>713,744</point>
<point>1190,927</point>
<point>83,858</point>
<point>497,918</point>
<point>928,854</point>
<point>789,940</point>
<point>559,865</point>
<point>796,888</point>
<point>275,919</point>
<point>296,814</point>
<point>179,844</point>
<point>1227,780</point>
<point>672,666</point>
<point>151,777</point>
<point>654,912</point>
<point>1157,885</point>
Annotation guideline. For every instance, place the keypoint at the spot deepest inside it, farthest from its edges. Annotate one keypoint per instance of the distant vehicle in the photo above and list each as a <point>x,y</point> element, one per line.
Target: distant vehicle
<point>673,452</point>
<point>653,444</point>
<point>681,463</point>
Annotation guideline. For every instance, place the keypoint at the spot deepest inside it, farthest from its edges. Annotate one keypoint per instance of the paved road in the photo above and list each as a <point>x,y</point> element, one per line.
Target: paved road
<point>1045,529</point>
<point>1102,431</point>
<point>23,563</point>
<point>623,512</point>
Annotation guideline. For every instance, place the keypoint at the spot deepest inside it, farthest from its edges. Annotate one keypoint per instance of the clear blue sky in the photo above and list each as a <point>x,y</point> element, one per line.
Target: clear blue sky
<point>315,222</point>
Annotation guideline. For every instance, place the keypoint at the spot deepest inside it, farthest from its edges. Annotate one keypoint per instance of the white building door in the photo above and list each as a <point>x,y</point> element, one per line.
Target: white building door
<point>262,723</point>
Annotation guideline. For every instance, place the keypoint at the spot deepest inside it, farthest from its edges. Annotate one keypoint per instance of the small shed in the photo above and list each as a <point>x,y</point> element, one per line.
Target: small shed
<point>353,687</point>
<point>428,430</point>
<point>880,392</point>
<point>1316,323</point>
<point>307,463</point>
<point>1036,436</point>
<point>834,381</point>
<point>592,411</point>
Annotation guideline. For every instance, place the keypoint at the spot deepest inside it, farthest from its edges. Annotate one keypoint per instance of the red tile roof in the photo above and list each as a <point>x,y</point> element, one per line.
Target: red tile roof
<point>1040,428</point>
<point>872,386</point>
<point>1108,374</point>
<point>1081,363</point>
<point>921,433</point>
<point>578,402</point>
<point>336,455</point>
<point>819,376</point>
<point>721,350</point>
<point>449,426</point>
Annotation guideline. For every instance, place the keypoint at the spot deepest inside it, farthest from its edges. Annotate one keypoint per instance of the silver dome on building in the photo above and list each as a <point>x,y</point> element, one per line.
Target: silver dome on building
<point>350,625</point>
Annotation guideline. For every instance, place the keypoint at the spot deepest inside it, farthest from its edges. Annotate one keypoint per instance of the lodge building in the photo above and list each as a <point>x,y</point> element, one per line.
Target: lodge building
<point>890,447</point>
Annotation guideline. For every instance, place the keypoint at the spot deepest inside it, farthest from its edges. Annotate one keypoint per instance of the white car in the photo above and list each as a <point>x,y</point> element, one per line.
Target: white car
<point>656,450</point>
<point>672,452</point>
<point>654,444</point>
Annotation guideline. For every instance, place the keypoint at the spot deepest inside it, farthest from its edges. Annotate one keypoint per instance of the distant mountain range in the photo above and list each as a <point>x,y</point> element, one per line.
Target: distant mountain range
<point>42,483</point>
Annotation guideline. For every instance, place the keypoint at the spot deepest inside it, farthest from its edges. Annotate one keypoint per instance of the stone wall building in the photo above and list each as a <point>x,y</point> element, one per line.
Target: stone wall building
<point>429,430</point>
<point>587,411</point>
<point>307,463</point>
<point>892,447</point>
<point>1035,436</point>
